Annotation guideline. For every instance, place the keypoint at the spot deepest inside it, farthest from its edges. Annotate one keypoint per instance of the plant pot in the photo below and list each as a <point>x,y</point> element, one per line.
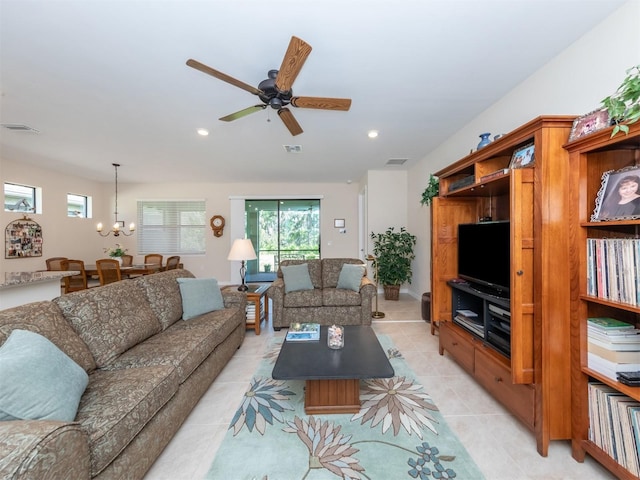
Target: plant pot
<point>391,292</point>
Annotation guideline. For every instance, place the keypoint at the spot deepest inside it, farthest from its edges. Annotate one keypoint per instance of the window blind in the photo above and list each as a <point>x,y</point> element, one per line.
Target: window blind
<point>171,227</point>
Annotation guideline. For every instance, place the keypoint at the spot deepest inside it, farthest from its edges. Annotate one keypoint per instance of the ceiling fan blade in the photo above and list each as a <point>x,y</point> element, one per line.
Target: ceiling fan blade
<point>322,103</point>
<point>242,113</point>
<point>290,121</point>
<point>292,63</point>
<point>223,76</point>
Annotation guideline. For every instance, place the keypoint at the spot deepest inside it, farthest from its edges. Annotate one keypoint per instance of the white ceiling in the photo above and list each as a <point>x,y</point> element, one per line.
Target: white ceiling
<point>105,81</point>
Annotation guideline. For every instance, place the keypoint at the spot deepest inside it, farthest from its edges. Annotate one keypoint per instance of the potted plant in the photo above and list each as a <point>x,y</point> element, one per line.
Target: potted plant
<point>116,252</point>
<point>393,253</point>
<point>432,190</point>
<point>624,105</point>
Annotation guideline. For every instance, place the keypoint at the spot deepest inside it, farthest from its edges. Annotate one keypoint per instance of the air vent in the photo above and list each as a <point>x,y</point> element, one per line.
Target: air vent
<point>396,161</point>
<point>293,148</point>
<point>19,127</point>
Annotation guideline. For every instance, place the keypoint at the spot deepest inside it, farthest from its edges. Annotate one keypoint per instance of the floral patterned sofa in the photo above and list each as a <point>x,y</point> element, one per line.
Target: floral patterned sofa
<point>324,303</point>
<point>146,369</point>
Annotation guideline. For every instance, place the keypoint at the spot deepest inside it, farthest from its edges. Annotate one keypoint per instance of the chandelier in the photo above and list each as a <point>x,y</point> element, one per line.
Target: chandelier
<point>116,229</point>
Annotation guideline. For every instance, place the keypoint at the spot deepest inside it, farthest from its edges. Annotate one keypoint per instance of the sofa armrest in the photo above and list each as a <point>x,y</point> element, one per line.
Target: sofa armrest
<point>276,294</point>
<point>43,450</point>
<point>234,299</point>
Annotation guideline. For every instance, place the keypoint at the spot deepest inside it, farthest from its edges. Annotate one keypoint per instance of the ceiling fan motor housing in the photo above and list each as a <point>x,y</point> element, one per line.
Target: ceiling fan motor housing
<point>271,95</point>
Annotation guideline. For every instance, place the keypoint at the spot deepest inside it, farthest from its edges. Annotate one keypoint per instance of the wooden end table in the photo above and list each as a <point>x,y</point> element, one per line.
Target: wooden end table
<point>257,304</point>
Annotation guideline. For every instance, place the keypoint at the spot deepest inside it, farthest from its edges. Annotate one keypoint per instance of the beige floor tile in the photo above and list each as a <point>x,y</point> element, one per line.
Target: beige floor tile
<point>500,445</point>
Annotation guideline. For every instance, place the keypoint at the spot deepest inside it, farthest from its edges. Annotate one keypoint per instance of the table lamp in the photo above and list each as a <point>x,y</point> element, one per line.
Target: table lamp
<point>376,314</point>
<point>242,249</point>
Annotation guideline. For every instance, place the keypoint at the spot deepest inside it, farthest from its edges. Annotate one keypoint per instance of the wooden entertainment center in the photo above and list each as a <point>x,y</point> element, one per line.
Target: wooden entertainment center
<point>521,352</point>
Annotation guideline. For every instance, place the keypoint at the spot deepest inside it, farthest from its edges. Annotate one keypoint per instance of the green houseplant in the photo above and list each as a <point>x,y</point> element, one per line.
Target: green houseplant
<point>432,190</point>
<point>624,104</point>
<point>393,253</point>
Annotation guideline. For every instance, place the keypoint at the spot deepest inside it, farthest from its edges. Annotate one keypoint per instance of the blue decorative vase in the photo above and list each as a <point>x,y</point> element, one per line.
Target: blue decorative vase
<point>484,140</point>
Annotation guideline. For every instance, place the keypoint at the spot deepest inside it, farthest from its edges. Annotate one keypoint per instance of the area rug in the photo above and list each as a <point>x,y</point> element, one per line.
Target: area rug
<point>398,433</point>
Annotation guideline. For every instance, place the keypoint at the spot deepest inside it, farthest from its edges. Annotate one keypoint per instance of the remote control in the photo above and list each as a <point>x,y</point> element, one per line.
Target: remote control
<point>630,376</point>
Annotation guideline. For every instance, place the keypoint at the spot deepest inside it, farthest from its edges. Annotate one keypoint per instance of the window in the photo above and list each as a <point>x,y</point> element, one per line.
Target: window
<point>171,227</point>
<point>279,230</point>
<point>78,206</point>
<point>20,198</point>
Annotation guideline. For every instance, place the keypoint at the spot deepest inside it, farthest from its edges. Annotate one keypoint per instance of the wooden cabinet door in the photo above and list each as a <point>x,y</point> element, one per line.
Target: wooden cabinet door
<point>522,256</point>
<point>446,214</point>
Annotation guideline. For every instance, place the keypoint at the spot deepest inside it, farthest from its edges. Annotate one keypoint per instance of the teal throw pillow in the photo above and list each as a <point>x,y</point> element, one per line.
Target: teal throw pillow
<point>351,277</point>
<point>38,381</point>
<point>296,277</point>
<point>199,295</point>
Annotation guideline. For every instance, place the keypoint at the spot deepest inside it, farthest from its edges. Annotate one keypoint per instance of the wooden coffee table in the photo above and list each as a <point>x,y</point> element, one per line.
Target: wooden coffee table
<point>332,377</point>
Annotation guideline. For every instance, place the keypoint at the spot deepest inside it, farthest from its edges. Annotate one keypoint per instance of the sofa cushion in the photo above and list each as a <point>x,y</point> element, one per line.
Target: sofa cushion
<point>296,278</point>
<point>199,295</point>
<point>163,293</point>
<point>38,381</point>
<point>350,277</point>
<point>118,404</point>
<point>331,268</point>
<point>184,345</point>
<point>110,319</point>
<point>315,270</point>
<point>338,297</point>
<point>46,319</point>
<point>304,298</point>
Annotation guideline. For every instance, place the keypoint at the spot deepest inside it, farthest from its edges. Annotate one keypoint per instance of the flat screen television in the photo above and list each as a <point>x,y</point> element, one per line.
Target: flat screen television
<point>484,255</point>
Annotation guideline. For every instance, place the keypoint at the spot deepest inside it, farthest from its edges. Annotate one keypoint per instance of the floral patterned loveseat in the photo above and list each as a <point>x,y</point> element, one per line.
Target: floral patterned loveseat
<point>324,304</point>
<point>146,369</point>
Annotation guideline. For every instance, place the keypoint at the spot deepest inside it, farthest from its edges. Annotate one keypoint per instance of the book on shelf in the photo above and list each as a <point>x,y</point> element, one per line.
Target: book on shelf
<point>618,356</point>
<point>614,345</point>
<point>612,264</point>
<point>303,332</point>
<point>608,368</point>
<point>608,324</point>
<point>611,424</point>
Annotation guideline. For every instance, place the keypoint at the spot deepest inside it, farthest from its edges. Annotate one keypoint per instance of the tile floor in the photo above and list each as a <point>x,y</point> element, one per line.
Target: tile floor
<point>499,444</point>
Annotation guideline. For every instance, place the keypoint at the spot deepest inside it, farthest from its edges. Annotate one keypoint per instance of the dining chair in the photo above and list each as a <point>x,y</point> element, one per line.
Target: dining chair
<point>55,263</point>
<point>153,259</point>
<point>74,283</point>
<point>172,262</point>
<point>108,270</point>
<point>127,260</point>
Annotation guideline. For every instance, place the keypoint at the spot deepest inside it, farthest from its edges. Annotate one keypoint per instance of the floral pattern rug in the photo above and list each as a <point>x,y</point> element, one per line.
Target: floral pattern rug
<point>398,433</point>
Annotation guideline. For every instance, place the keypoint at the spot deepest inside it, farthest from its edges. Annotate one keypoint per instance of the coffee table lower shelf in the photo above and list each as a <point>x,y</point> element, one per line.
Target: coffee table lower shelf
<point>332,396</point>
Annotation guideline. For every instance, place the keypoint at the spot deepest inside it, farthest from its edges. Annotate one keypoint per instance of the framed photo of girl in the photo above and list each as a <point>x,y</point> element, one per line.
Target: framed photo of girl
<point>619,195</point>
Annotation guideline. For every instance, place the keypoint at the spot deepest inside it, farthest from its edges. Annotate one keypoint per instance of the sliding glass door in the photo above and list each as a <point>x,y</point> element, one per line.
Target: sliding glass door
<point>279,230</point>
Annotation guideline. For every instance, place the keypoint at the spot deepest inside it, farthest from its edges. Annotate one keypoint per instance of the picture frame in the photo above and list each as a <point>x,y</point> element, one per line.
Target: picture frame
<point>23,238</point>
<point>338,223</point>
<point>590,123</point>
<point>619,195</point>
<point>523,157</point>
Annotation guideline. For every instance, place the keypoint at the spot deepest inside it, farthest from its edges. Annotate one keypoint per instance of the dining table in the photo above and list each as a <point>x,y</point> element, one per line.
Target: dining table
<point>137,269</point>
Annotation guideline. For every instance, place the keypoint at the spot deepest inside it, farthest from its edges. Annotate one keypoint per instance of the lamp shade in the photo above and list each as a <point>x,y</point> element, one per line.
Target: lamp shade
<point>242,249</point>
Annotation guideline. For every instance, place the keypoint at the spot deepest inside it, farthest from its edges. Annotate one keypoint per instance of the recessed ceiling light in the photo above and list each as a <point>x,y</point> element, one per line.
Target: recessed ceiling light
<point>372,133</point>
<point>203,131</point>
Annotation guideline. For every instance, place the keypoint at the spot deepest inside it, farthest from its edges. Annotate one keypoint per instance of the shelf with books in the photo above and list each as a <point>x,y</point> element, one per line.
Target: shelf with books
<point>604,260</point>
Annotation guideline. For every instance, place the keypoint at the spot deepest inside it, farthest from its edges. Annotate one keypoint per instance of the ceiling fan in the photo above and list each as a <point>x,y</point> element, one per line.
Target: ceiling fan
<point>275,91</point>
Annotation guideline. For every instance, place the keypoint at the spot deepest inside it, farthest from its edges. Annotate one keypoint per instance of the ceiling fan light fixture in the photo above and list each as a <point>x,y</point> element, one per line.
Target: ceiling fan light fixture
<point>276,103</point>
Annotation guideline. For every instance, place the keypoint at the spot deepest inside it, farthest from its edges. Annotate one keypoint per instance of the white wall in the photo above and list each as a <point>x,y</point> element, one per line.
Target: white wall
<point>573,83</point>
<point>77,238</point>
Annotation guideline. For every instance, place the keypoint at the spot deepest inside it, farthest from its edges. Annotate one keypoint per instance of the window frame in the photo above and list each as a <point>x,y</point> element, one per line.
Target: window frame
<point>35,207</point>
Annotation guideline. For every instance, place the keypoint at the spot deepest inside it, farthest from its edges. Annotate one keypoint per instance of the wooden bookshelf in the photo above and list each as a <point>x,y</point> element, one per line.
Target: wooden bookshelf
<point>589,157</point>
